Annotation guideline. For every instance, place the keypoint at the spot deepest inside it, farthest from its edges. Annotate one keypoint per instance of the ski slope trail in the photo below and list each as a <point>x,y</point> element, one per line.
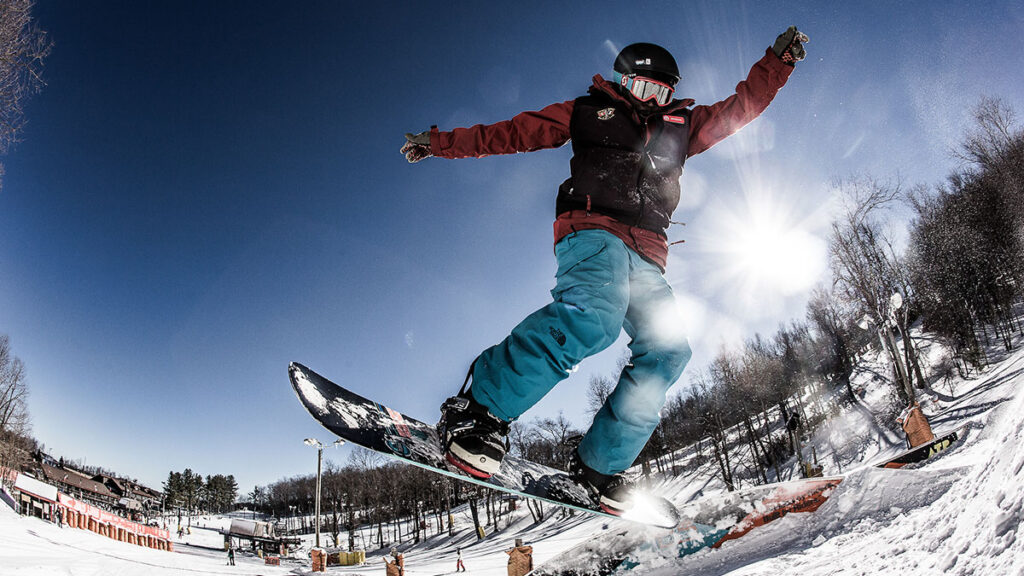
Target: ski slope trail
<point>959,514</point>
<point>29,546</point>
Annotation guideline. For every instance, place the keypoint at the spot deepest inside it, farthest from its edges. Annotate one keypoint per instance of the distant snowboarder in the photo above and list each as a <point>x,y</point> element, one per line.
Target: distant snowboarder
<point>630,139</point>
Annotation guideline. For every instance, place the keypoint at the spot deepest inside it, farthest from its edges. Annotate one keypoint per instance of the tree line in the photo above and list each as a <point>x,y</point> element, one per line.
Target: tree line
<point>967,252</point>
<point>16,443</point>
<point>23,49</point>
<point>958,278</point>
<point>380,502</point>
<point>189,492</point>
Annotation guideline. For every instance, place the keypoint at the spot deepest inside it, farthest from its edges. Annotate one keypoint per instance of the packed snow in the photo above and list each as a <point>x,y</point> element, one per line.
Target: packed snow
<point>958,513</point>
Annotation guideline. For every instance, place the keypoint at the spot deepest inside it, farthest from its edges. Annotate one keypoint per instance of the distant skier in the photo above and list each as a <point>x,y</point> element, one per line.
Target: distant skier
<point>231,556</point>
<point>630,140</point>
<point>459,566</point>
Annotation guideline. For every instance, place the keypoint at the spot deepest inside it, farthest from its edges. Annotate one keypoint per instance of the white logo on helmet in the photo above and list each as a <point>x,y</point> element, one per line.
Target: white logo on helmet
<point>646,61</point>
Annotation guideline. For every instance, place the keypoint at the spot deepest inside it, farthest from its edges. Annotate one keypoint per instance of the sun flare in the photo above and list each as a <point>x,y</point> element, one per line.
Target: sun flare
<point>774,255</point>
<point>765,250</point>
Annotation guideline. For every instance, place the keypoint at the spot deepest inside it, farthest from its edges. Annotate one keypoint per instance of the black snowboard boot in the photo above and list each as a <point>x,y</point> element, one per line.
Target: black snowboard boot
<point>614,493</point>
<point>472,438</point>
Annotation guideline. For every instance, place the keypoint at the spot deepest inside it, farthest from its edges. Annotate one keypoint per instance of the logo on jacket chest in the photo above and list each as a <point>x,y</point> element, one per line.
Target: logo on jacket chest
<point>606,114</point>
<point>674,119</point>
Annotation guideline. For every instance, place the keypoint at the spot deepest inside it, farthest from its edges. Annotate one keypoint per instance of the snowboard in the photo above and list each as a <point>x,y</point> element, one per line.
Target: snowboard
<point>376,427</point>
<point>924,451</point>
<point>710,521</point>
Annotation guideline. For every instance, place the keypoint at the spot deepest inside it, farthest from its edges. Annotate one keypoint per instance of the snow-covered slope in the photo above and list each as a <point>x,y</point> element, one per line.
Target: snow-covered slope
<point>29,546</point>
<point>957,514</point>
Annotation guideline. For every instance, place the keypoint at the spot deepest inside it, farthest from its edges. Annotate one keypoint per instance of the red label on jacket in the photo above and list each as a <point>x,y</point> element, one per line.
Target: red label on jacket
<point>674,119</point>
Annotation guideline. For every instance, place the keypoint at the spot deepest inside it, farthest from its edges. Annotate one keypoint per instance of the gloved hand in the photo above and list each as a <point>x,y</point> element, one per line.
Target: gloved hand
<point>416,147</point>
<point>788,45</point>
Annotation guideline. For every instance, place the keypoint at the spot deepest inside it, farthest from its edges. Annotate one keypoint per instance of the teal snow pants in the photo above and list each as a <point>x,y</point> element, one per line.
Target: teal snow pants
<point>602,287</point>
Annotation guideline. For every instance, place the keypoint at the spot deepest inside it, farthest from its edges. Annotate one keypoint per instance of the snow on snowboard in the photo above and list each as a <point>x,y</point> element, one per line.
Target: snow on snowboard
<point>381,429</point>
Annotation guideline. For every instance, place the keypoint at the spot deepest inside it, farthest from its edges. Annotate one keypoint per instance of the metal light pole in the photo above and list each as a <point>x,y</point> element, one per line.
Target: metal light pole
<point>895,303</point>
<point>319,460</point>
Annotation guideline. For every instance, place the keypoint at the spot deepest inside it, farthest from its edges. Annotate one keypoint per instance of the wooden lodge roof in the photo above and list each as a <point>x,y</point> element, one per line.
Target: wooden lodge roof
<point>76,480</point>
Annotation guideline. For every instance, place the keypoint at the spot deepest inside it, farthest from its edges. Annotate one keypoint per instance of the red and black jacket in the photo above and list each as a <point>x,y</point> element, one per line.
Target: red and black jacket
<point>624,174</point>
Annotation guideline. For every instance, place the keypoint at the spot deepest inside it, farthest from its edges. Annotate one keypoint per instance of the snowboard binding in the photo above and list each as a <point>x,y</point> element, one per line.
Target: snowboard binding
<point>472,439</point>
<point>613,493</point>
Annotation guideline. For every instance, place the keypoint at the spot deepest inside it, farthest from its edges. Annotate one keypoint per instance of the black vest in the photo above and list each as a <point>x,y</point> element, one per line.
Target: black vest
<point>621,168</point>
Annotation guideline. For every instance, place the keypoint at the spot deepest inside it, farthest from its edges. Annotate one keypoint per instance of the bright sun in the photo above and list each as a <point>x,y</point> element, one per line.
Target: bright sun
<point>765,251</point>
<point>775,256</point>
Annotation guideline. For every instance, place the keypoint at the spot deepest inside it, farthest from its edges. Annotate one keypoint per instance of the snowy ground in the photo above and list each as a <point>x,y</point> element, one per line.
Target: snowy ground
<point>958,514</point>
<point>29,546</point>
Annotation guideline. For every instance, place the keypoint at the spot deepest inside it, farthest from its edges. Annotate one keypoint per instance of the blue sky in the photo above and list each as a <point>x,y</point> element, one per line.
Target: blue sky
<point>207,191</point>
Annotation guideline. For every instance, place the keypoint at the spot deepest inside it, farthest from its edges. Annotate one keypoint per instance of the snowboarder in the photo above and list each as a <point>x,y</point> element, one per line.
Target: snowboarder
<point>630,139</point>
<point>459,566</point>
<point>231,556</point>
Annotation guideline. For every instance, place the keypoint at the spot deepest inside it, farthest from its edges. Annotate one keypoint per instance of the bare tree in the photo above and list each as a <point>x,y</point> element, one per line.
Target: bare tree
<point>710,407</point>
<point>555,434</point>
<point>14,419</point>
<point>835,338</point>
<point>601,387</point>
<point>598,391</point>
<point>364,459</point>
<point>991,136</point>
<point>967,244</point>
<point>23,47</point>
<point>869,273</point>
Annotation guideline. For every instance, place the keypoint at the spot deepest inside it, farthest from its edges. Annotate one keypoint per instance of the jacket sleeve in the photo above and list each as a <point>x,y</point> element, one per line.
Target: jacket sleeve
<point>712,124</point>
<point>526,132</point>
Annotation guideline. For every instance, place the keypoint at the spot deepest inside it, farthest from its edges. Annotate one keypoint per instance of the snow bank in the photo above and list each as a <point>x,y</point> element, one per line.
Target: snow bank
<point>959,514</point>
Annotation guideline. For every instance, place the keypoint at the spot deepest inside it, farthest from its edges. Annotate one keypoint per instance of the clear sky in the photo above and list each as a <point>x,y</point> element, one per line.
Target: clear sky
<point>206,191</point>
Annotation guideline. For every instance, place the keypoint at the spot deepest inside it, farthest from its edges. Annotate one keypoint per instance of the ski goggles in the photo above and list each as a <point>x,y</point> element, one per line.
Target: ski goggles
<point>645,89</point>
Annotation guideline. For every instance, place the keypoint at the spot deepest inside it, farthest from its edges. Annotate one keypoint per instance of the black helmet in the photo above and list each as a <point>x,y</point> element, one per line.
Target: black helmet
<point>647,60</point>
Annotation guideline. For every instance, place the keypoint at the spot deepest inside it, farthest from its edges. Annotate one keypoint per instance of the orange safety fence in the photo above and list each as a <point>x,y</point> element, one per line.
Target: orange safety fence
<point>80,514</point>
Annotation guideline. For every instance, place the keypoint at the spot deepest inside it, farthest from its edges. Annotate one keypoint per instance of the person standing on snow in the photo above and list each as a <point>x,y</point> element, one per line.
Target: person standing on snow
<point>630,139</point>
